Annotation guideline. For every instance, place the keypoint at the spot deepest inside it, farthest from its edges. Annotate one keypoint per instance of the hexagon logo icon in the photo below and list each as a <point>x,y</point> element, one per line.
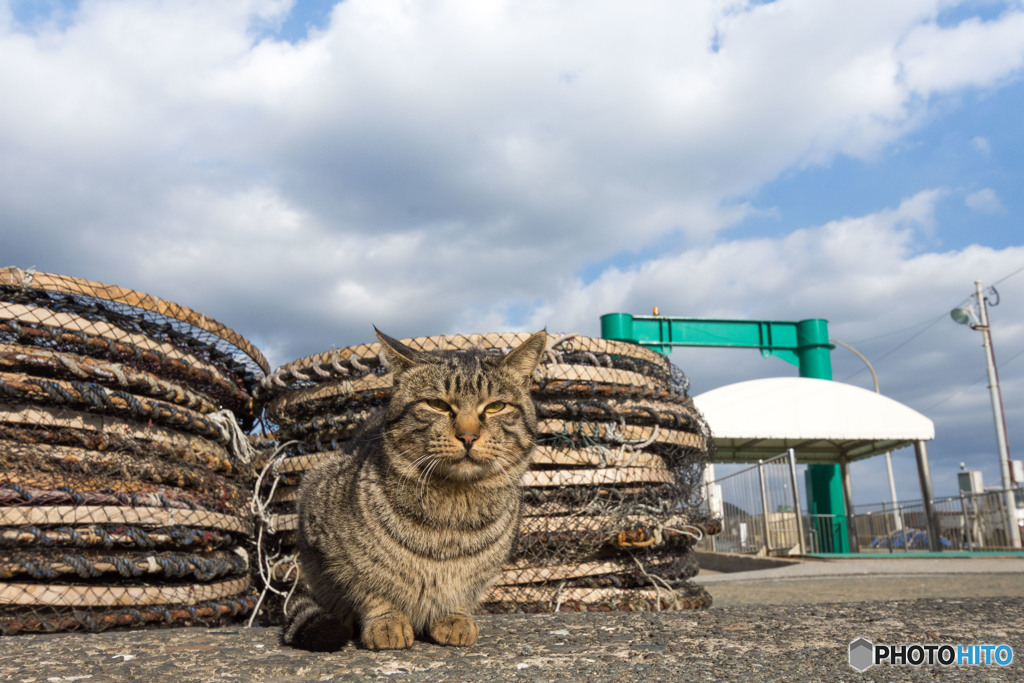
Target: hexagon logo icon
<point>862,653</point>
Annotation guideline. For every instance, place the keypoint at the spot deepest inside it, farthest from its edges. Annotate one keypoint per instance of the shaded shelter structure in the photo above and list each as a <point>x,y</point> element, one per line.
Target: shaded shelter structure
<point>824,422</point>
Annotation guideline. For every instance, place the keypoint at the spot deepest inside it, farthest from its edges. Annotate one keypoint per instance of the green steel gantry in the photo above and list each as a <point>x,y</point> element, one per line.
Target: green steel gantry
<point>804,344</point>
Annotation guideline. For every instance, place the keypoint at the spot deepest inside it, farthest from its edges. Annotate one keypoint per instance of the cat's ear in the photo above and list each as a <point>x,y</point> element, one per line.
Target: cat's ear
<point>523,359</point>
<point>400,357</point>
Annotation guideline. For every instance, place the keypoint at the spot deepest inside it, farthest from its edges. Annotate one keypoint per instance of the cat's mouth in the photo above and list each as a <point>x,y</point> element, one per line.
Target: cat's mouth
<point>470,466</point>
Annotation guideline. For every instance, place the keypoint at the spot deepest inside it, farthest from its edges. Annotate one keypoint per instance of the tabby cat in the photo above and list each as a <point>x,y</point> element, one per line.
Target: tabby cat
<point>400,536</point>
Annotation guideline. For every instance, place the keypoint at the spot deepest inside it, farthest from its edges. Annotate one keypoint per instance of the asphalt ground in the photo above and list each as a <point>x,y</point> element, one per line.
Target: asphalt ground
<point>784,623</point>
<point>855,580</point>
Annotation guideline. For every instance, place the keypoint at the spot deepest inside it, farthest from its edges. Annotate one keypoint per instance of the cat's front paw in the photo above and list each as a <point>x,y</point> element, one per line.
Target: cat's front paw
<point>309,627</point>
<point>391,631</point>
<point>457,629</point>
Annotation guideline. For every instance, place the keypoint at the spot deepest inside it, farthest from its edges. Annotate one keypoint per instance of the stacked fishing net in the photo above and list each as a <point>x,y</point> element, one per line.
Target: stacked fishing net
<point>611,502</point>
<point>124,473</point>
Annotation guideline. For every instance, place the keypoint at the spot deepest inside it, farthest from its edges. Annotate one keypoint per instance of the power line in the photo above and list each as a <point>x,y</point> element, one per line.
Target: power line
<point>963,389</point>
<point>922,330</point>
<point>1021,269</point>
<point>910,338</point>
<point>889,334</point>
<point>900,345</point>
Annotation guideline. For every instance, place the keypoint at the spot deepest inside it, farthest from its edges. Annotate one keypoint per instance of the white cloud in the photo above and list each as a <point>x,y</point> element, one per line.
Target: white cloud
<point>984,201</point>
<point>973,53</point>
<point>453,166</point>
<point>982,145</point>
<point>849,262</point>
<point>464,130</point>
<point>403,116</point>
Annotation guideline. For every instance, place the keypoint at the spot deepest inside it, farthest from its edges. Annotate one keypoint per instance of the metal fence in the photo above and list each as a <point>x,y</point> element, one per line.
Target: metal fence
<point>759,509</point>
<point>970,521</point>
<point>757,506</point>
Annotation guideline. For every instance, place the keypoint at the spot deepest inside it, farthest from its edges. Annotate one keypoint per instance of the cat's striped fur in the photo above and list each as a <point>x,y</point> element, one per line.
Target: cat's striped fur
<point>401,536</point>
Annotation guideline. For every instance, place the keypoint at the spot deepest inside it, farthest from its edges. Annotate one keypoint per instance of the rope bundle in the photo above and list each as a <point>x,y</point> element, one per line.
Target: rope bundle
<point>126,493</point>
<point>125,475</point>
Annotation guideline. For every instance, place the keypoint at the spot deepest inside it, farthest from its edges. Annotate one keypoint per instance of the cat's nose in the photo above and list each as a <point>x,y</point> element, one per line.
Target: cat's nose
<point>467,438</point>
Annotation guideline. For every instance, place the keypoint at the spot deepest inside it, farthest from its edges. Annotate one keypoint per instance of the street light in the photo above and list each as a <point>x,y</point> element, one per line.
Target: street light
<point>978,320</point>
<point>963,316</point>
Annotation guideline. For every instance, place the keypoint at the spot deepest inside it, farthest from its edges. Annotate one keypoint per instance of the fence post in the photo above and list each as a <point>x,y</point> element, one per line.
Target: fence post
<point>764,508</point>
<point>966,543</point>
<point>796,500</point>
<point>707,502</point>
<point>903,525</point>
<point>888,534</point>
<point>981,517</point>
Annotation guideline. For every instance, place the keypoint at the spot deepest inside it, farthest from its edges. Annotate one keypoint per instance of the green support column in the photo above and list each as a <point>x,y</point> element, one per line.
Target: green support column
<point>824,486</point>
<point>618,326</point>
<point>823,483</point>
<point>813,351</point>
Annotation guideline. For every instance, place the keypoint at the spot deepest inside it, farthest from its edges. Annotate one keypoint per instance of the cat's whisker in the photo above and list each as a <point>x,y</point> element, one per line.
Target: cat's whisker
<point>503,460</point>
<point>414,470</point>
<point>400,456</point>
<point>503,470</point>
<point>425,477</point>
<point>437,462</point>
<point>507,454</point>
<point>420,460</point>
<point>429,473</point>
<point>504,463</point>
<point>421,481</point>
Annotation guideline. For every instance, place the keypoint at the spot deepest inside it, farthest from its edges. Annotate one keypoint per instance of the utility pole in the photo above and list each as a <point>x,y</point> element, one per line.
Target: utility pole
<point>1000,419</point>
<point>962,315</point>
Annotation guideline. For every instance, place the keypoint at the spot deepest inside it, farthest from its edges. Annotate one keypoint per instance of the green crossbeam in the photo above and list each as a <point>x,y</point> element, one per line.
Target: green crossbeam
<point>804,343</point>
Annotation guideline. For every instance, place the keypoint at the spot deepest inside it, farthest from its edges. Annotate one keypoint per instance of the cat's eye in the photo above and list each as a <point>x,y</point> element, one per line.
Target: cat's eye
<point>439,405</point>
<point>494,407</point>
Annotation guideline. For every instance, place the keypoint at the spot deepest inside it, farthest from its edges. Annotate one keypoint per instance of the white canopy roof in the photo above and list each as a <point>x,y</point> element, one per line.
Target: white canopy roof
<point>821,419</point>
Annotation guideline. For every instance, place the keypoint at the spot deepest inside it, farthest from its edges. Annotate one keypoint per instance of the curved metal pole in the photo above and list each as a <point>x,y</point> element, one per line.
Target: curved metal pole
<point>888,455</point>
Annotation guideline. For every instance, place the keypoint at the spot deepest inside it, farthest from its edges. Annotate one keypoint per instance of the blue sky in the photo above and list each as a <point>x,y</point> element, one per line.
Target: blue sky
<point>976,143</point>
<point>300,171</point>
<point>304,17</point>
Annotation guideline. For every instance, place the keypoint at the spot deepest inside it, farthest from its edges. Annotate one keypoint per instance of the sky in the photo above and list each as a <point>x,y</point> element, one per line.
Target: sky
<point>301,171</point>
